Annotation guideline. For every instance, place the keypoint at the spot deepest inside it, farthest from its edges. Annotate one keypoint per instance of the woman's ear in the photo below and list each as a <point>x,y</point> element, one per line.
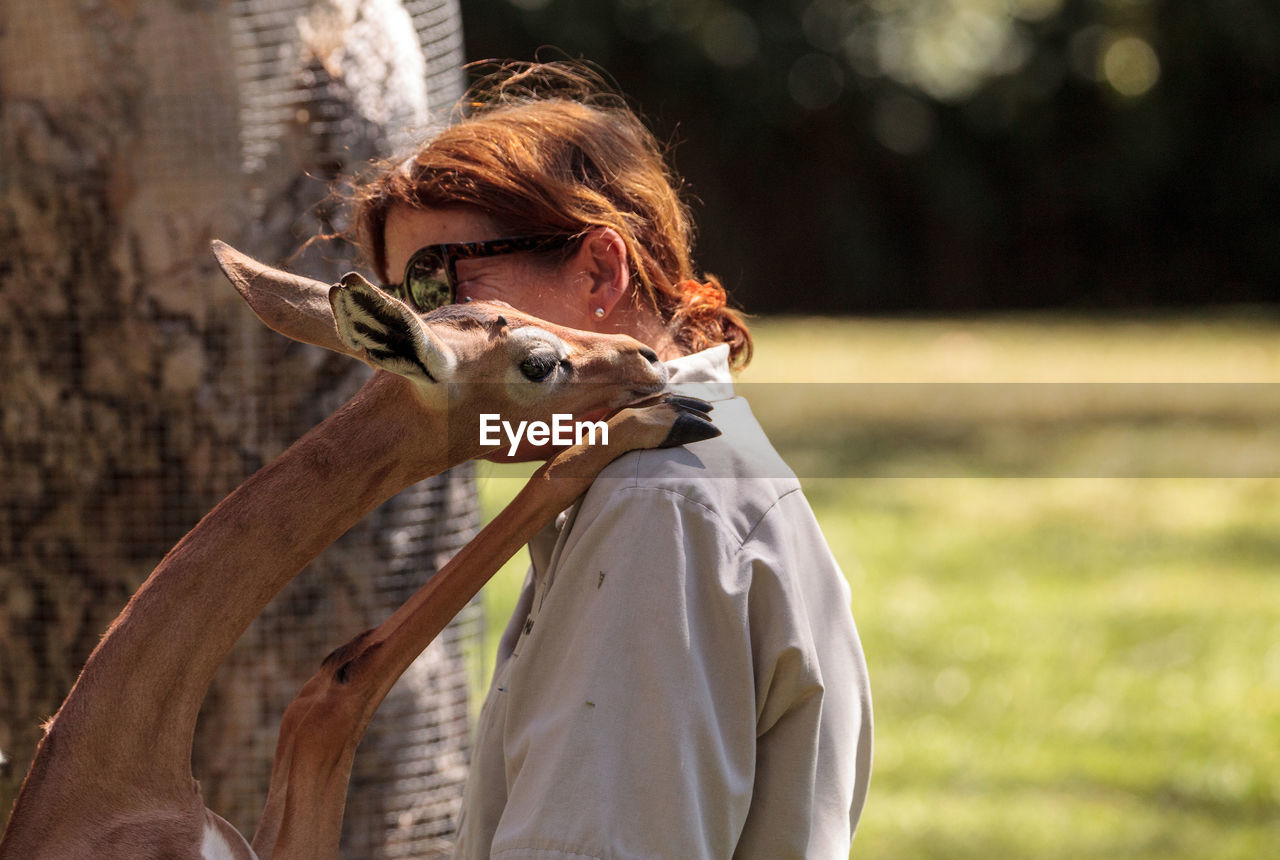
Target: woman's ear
<point>602,258</point>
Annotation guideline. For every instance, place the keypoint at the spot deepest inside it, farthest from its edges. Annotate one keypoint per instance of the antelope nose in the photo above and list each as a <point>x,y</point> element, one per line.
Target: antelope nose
<point>650,355</point>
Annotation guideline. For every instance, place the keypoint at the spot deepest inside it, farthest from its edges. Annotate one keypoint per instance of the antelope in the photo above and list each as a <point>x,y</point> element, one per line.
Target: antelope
<point>112,775</point>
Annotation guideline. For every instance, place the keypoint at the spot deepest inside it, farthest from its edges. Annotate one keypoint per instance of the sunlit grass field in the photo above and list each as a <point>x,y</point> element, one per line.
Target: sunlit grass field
<point>1069,595</point>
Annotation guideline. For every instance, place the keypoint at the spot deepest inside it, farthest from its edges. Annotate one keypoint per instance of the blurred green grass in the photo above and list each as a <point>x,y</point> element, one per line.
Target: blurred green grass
<point>1062,666</point>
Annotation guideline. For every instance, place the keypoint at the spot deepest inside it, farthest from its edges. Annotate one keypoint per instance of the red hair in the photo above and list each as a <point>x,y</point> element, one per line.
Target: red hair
<point>552,148</point>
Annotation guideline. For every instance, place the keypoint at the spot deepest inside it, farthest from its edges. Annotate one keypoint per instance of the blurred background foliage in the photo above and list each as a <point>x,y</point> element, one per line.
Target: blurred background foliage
<point>867,156</point>
<point>1066,661</point>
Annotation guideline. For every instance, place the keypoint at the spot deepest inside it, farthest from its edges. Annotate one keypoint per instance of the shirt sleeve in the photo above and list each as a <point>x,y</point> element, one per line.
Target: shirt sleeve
<point>630,713</point>
<point>814,724</point>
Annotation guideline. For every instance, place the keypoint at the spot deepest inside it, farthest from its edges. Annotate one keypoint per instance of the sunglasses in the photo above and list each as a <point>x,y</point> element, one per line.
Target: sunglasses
<point>431,275</point>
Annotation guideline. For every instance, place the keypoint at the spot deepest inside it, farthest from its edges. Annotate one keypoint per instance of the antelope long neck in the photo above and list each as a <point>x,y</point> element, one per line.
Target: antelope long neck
<point>133,709</point>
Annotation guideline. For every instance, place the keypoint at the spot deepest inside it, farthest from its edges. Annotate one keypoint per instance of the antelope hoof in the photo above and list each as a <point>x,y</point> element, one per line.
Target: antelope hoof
<point>692,404</point>
<point>691,424</point>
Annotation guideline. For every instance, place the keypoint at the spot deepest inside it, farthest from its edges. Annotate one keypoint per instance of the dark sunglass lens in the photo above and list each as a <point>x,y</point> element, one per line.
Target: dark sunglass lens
<point>426,285</point>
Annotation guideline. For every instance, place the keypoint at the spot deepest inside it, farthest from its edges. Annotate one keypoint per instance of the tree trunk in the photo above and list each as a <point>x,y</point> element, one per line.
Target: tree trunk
<point>137,390</point>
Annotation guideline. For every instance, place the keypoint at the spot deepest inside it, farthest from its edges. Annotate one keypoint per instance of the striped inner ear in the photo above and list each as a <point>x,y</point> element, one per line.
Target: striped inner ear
<point>370,321</point>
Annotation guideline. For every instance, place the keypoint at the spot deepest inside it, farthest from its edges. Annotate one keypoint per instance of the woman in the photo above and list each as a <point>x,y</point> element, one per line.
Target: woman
<point>682,676</point>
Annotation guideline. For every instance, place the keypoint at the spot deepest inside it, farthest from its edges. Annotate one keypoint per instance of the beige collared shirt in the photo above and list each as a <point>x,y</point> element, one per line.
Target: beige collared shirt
<point>681,677</point>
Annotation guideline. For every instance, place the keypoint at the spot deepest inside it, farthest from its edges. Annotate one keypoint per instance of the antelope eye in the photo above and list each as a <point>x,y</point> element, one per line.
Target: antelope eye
<point>538,366</point>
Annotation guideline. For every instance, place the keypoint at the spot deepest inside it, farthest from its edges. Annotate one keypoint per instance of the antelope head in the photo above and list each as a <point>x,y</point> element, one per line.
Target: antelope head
<point>463,359</point>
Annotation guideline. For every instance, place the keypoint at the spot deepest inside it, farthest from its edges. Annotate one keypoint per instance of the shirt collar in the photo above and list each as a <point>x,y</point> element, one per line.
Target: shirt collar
<point>704,374</point>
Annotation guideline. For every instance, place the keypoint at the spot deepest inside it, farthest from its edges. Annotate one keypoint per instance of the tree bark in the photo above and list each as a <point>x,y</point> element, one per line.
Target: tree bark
<point>137,391</point>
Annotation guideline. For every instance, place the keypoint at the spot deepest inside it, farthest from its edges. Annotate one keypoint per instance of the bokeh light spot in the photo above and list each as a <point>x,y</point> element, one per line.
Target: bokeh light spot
<point>815,81</point>
<point>730,38</point>
<point>903,124</point>
<point>1131,66</point>
<point>948,49</point>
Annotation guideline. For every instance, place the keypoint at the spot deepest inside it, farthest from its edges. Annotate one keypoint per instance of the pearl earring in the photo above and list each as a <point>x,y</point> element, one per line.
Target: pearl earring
<point>599,313</point>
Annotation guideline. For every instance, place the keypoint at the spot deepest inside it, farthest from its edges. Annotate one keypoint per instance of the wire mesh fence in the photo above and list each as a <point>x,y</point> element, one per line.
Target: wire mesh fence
<point>137,391</point>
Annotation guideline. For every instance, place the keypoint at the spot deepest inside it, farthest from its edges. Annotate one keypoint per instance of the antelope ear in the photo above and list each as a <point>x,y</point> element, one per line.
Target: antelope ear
<point>387,333</point>
<point>295,306</point>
